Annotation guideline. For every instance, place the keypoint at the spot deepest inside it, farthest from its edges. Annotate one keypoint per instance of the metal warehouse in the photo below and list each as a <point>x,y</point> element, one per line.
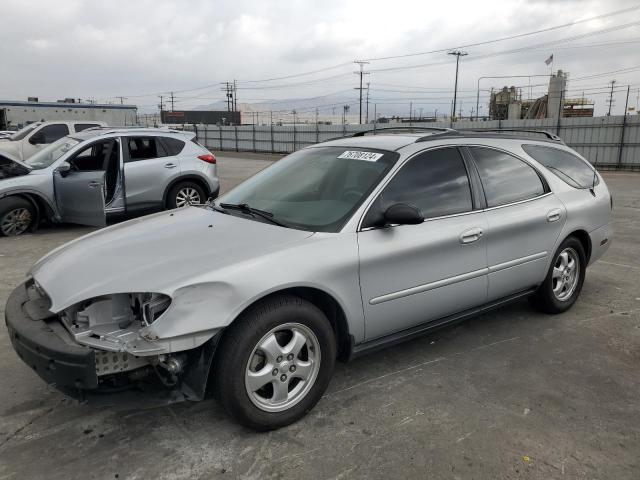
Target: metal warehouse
<point>16,114</point>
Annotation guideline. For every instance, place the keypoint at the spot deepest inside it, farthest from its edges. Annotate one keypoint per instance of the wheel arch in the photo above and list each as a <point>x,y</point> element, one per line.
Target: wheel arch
<point>40,204</point>
<point>584,239</point>
<point>187,178</point>
<point>326,303</point>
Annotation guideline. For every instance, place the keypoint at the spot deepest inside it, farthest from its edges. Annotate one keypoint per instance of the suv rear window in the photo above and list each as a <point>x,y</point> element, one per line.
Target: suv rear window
<point>172,145</point>
<point>565,165</point>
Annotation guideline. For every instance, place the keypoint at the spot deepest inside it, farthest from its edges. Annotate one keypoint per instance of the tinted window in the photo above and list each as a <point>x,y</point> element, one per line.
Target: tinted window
<point>83,126</point>
<point>505,178</point>
<point>570,168</point>
<point>142,148</point>
<point>95,156</point>
<point>173,145</point>
<point>51,133</point>
<point>436,182</point>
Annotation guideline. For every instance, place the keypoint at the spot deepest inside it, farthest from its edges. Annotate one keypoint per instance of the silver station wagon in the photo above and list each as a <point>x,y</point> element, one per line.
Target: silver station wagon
<point>334,251</point>
<point>100,172</point>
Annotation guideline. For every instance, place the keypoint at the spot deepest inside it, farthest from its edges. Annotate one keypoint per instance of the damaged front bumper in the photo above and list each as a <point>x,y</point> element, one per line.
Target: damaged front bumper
<point>44,343</point>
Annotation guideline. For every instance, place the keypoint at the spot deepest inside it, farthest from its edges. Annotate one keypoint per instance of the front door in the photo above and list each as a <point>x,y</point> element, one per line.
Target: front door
<point>412,274</point>
<point>93,182</point>
<point>524,220</point>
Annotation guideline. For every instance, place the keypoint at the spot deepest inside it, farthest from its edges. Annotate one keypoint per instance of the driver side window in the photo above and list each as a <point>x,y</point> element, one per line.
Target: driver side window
<point>94,157</point>
<point>435,181</point>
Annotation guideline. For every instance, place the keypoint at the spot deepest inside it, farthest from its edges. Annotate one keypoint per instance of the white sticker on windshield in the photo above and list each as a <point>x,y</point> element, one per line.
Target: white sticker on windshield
<point>355,155</point>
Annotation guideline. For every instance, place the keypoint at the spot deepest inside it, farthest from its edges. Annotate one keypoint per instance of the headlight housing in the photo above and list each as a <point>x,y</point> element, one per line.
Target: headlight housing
<point>148,307</point>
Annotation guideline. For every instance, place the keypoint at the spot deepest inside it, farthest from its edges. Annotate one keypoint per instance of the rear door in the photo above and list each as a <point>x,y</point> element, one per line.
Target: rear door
<point>413,274</point>
<point>524,221</point>
<point>42,137</point>
<point>148,170</point>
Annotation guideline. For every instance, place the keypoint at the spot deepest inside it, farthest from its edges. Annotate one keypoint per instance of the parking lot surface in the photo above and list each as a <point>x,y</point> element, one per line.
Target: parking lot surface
<point>511,394</point>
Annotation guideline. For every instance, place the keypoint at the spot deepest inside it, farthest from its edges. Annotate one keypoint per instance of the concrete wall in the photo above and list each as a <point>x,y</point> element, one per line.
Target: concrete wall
<point>598,139</point>
<point>18,115</point>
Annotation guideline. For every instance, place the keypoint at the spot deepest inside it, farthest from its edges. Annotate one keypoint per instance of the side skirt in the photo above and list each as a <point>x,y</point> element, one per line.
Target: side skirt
<point>422,329</point>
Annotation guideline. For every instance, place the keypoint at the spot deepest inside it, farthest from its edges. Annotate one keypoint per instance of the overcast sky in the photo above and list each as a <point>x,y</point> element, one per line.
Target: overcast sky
<point>139,48</point>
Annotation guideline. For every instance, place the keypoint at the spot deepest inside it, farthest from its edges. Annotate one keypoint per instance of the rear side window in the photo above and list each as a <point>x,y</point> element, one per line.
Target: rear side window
<point>172,145</point>
<point>51,133</point>
<point>505,178</point>
<point>83,126</point>
<point>142,148</point>
<point>435,181</point>
<point>565,165</point>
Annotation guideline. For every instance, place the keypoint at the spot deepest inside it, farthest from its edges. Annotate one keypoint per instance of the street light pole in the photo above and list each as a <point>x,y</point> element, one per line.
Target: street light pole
<point>458,54</point>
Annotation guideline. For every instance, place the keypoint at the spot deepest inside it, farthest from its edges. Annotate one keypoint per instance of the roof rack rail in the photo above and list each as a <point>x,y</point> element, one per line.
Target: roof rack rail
<point>362,133</point>
<point>549,135</point>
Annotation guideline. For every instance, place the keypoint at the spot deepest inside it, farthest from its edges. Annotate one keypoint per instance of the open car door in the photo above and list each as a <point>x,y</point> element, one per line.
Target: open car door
<point>80,197</point>
<point>81,187</point>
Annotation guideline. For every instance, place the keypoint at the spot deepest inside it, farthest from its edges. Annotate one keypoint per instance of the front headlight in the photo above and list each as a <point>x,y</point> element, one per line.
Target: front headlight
<point>148,307</point>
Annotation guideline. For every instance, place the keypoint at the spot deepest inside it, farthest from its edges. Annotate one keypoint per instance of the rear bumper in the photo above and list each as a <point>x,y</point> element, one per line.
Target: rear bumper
<point>46,347</point>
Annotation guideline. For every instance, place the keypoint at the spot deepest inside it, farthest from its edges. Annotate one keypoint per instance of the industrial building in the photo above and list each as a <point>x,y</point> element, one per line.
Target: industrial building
<point>15,114</point>
<point>508,104</point>
<point>208,117</point>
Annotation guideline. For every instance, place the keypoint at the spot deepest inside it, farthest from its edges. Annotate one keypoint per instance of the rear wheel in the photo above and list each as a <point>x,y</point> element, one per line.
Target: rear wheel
<point>563,283</point>
<point>16,216</point>
<point>184,194</point>
<point>275,362</point>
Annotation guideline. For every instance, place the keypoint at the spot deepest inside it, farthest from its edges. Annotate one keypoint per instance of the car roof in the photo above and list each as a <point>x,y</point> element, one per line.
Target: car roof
<point>382,140</point>
<point>98,131</point>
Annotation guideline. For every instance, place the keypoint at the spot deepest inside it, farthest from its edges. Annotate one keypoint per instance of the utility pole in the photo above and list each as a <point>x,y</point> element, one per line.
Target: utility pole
<point>362,63</point>
<point>612,82</point>
<point>235,96</point>
<point>172,101</point>
<point>121,99</point>
<point>367,118</point>
<point>161,104</point>
<point>458,54</point>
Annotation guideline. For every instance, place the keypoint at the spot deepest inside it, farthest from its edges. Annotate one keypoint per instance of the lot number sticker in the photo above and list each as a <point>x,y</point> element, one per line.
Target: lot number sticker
<point>355,155</point>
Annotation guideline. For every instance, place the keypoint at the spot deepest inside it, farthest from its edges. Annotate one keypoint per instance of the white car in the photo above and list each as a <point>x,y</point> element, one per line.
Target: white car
<point>35,136</point>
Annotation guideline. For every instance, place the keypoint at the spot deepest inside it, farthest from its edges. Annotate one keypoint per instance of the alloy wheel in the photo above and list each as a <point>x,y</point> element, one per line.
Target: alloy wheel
<point>283,367</point>
<point>187,196</point>
<point>566,274</point>
<point>15,222</point>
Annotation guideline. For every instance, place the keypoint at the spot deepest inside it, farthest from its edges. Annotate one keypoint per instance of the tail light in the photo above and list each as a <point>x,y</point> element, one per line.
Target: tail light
<point>209,158</point>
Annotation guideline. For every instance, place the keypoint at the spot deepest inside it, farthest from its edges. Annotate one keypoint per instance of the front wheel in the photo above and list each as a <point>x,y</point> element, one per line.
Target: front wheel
<point>275,362</point>
<point>563,283</point>
<point>16,216</point>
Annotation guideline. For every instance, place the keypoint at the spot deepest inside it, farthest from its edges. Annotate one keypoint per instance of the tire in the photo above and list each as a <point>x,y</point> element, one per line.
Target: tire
<point>562,286</point>
<point>17,216</point>
<point>185,193</point>
<point>282,319</point>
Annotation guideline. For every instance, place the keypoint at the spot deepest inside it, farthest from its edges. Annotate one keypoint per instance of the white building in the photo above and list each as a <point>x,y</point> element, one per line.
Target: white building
<point>15,114</point>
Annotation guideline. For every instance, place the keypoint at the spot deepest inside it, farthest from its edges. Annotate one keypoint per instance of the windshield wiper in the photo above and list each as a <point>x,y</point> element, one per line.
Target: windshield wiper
<point>245,208</point>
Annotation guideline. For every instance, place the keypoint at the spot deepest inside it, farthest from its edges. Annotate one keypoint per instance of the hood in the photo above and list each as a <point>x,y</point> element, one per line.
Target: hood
<point>10,148</point>
<point>157,253</point>
<point>11,167</point>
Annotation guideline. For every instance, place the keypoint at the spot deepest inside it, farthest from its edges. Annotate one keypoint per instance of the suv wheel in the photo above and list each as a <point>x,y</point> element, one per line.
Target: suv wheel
<point>563,283</point>
<point>16,216</point>
<point>184,194</point>
<point>275,362</point>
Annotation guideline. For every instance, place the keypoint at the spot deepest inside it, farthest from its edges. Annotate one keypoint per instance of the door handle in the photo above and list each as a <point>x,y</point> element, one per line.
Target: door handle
<point>554,215</point>
<point>95,184</point>
<point>170,165</point>
<point>471,235</point>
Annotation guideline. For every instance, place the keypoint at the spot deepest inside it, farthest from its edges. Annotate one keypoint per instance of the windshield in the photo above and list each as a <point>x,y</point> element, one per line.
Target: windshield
<point>20,134</point>
<point>315,189</point>
<point>51,153</point>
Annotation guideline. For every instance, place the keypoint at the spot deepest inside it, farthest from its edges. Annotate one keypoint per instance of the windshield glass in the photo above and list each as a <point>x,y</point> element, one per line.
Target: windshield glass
<point>51,153</point>
<point>20,134</point>
<point>315,189</point>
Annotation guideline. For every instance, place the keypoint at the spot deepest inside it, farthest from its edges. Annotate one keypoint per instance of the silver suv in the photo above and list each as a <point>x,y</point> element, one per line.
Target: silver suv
<point>85,177</point>
<point>334,251</point>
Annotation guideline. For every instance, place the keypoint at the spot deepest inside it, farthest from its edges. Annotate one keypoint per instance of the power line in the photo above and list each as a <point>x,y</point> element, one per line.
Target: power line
<point>511,37</point>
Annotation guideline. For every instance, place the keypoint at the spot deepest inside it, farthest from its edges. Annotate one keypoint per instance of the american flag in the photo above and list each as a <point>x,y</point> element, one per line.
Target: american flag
<point>549,60</point>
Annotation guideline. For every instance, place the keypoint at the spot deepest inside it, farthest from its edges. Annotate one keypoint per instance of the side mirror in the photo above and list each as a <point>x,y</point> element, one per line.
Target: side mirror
<point>403,214</point>
<point>63,169</point>
<point>37,139</point>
